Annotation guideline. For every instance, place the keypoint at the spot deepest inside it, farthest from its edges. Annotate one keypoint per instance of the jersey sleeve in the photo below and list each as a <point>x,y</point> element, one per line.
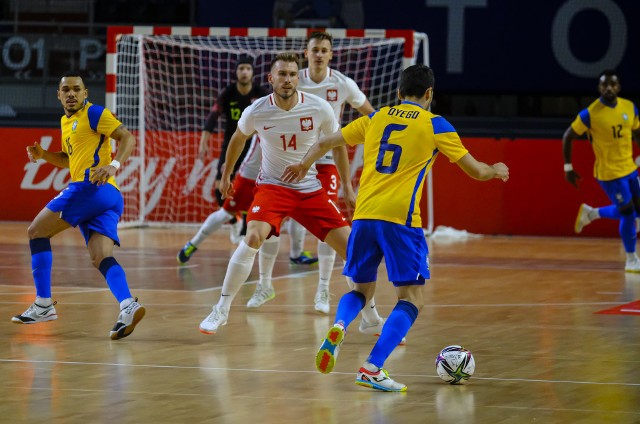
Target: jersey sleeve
<point>356,97</point>
<point>447,139</point>
<point>106,123</point>
<point>582,123</point>
<point>354,132</point>
<point>246,123</point>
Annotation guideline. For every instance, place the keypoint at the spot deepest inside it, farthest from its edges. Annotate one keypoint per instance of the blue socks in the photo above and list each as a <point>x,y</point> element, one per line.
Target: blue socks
<point>116,278</point>
<point>349,307</point>
<point>41,260</point>
<point>627,229</point>
<point>609,212</point>
<point>395,328</point>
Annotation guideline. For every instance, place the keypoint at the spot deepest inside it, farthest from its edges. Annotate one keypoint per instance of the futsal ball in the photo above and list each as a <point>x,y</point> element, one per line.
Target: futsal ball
<point>455,364</point>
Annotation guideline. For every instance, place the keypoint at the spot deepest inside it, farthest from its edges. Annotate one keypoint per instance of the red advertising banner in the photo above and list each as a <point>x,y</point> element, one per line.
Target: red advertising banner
<point>535,201</point>
<point>28,187</point>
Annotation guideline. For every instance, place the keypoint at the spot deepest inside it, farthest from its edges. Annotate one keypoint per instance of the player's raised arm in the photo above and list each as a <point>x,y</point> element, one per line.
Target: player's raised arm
<point>59,159</point>
<point>482,171</point>
<point>296,172</point>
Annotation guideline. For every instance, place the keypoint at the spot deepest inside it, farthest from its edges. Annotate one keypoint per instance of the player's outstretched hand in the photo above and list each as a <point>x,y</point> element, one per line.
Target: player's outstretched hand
<point>35,152</point>
<point>502,171</point>
<point>573,178</point>
<point>225,187</point>
<point>101,175</point>
<point>203,149</point>
<point>294,173</point>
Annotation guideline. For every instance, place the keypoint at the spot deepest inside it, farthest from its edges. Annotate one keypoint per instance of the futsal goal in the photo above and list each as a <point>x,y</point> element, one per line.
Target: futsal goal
<point>162,83</point>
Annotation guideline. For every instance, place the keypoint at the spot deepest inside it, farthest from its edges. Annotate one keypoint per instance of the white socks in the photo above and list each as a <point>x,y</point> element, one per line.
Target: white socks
<point>211,224</point>
<point>267,259</point>
<point>238,271</point>
<point>297,233</point>
<point>43,301</point>
<point>126,303</point>
<point>326,259</point>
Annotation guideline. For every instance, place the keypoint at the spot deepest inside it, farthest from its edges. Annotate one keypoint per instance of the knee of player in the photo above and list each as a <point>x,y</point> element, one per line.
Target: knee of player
<point>35,231</point>
<point>253,239</point>
<point>96,260</point>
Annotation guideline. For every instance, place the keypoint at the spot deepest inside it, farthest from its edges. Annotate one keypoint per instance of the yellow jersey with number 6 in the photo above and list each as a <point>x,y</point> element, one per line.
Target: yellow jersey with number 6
<point>400,145</point>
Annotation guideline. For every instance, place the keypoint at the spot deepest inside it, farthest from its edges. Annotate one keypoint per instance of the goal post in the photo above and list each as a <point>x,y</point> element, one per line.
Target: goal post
<point>162,83</point>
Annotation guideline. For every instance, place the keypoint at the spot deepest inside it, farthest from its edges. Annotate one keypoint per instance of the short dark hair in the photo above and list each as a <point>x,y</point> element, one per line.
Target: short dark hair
<point>244,60</point>
<point>286,57</point>
<point>608,73</point>
<point>72,73</point>
<point>416,80</point>
<point>320,35</point>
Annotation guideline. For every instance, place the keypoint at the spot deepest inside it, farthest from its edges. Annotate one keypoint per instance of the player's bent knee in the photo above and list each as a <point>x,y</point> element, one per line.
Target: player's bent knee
<point>253,240</point>
<point>626,209</point>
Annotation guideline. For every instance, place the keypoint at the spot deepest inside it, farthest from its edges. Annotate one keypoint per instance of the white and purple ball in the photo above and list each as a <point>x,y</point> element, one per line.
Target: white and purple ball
<point>455,364</point>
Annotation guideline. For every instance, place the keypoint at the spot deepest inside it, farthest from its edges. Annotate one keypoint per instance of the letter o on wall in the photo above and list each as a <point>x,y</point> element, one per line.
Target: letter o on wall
<point>560,37</point>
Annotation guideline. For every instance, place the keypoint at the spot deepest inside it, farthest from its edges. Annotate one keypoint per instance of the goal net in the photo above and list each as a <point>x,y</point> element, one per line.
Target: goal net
<point>162,83</point>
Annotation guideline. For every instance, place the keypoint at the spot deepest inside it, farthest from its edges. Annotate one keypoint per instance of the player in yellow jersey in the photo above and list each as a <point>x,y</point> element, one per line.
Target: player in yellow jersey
<point>610,123</point>
<point>400,145</point>
<point>92,201</point>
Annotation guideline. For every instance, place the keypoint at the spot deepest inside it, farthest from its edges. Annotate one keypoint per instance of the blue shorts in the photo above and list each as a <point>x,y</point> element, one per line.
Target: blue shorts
<point>91,207</point>
<point>622,190</point>
<point>404,250</point>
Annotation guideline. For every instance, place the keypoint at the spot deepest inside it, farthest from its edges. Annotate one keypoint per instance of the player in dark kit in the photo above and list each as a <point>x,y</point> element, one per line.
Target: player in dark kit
<point>232,101</point>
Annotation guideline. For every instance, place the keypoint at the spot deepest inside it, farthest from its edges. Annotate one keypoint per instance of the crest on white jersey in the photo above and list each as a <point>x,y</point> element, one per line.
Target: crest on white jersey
<point>306,124</point>
<point>332,95</point>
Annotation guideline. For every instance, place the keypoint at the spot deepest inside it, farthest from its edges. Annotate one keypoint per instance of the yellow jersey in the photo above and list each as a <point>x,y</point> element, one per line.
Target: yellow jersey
<point>85,138</point>
<point>400,145</point>
<point>609,130</point>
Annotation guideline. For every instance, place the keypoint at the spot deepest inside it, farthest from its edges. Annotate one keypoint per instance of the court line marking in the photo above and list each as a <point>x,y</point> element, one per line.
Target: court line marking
<point>185,367</point>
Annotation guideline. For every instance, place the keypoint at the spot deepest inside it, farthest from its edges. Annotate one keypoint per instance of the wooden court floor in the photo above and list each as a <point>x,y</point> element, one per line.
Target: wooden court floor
<point>526,307</point>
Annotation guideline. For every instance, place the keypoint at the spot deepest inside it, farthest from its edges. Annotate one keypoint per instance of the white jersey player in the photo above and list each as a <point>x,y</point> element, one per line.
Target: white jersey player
<point>337,89</point>
<point>288,123</point>
<point>286,135</point>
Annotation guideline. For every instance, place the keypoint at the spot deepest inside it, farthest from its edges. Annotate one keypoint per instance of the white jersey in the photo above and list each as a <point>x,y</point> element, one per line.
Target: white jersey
<point>336,88</point>
<point>287,135</point>
<point>250,167</point>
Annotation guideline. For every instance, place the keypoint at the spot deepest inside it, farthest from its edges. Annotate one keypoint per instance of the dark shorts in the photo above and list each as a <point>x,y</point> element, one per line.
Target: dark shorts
<point>90,207</point>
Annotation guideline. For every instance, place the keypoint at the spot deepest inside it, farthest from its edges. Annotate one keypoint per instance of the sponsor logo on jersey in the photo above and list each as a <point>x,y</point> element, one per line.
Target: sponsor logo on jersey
<point>306,124</point>
<point>268,128</point>
<point>332,95</point>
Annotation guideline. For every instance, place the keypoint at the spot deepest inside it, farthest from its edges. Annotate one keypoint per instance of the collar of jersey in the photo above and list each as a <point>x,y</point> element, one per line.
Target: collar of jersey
<point>609,104</point>
<point>410,103</point>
